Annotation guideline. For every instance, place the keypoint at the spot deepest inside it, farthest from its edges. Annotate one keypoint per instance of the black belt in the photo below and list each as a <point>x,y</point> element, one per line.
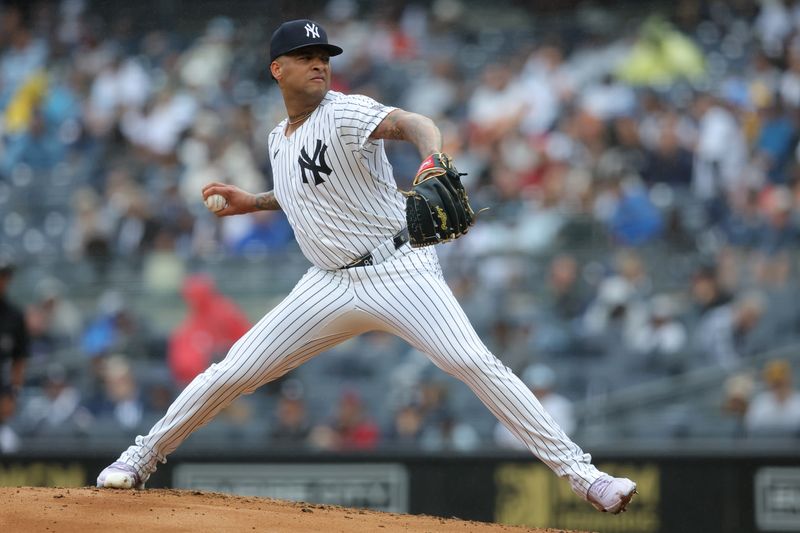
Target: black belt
<point>399,240</point>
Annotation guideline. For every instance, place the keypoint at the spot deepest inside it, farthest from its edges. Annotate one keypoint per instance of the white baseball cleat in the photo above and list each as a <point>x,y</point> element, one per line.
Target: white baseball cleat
<point>611,494</point>
<point>119,475</point>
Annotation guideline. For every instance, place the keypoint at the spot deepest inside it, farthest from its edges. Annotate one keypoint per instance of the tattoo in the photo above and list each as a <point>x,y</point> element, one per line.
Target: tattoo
<point>266,201</point>
<point>417,129</point>
<point>389,129</point>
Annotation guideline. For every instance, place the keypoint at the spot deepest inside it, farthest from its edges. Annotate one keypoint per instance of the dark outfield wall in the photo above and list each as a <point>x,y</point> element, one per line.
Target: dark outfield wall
<point>703,493</point>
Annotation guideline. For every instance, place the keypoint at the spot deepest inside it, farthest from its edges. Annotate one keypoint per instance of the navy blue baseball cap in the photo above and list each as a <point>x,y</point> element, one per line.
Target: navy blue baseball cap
<point>299,34</point>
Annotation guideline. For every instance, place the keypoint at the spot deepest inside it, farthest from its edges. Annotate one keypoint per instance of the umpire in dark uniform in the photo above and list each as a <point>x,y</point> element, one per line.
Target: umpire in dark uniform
<point>14,350</point>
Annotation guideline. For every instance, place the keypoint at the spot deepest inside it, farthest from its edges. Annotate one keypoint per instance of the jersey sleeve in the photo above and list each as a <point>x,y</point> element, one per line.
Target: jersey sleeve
<point>356,117</point>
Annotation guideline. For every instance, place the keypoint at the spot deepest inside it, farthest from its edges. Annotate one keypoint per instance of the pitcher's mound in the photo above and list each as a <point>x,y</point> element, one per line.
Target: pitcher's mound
<point>61,510</point>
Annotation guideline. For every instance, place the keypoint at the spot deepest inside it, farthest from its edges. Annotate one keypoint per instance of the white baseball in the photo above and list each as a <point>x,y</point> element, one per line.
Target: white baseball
<point>216,202</point>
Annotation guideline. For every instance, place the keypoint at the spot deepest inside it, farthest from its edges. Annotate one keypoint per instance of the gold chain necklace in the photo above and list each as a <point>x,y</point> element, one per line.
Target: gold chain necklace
<point>293,122</point>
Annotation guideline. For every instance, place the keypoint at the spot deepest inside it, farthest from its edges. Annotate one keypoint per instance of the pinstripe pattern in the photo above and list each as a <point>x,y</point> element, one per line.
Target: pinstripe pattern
<point>405,295</point>
<point>358,206</point>
<point>339,216</point>
<point>293,332</point>
<point>410,296</point>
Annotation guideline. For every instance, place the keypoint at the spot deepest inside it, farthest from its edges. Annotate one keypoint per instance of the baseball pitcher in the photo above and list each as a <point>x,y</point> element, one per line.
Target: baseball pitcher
<point>372,268</point>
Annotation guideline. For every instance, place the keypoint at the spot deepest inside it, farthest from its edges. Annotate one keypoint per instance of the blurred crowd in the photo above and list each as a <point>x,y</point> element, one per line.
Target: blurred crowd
<point>641,169</point>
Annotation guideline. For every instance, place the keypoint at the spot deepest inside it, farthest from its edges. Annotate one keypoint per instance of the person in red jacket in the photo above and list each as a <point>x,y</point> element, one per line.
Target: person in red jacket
<point>350,429</point>
<point>214,323</point>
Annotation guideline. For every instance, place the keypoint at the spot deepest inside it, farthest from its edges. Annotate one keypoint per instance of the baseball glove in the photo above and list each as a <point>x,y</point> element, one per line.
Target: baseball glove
<point>437,206</point>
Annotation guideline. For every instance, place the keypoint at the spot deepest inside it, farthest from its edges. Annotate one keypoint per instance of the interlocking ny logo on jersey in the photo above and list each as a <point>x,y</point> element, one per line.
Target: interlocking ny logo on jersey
<point>312,30</point>
<point>316,164</point>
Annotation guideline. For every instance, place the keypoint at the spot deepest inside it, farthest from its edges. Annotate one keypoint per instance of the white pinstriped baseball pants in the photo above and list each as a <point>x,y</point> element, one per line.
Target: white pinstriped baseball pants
<point>405,295</point>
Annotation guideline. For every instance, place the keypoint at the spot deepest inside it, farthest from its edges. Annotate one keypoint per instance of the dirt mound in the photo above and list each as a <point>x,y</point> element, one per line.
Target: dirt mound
<point>88,510</point>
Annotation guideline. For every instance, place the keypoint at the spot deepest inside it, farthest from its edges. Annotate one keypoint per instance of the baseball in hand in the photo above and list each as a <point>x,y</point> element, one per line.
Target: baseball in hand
<point>216,202</point>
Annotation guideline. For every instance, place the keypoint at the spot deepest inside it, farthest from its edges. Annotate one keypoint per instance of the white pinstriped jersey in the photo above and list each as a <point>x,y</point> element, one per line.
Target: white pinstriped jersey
<point>335,184</point>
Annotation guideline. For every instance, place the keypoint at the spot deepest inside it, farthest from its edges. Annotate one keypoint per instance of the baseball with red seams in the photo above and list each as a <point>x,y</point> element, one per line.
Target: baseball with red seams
<point>216,202</point>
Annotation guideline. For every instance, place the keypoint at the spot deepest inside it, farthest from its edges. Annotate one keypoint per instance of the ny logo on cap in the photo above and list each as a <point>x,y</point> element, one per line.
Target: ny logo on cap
<point>312,30</point>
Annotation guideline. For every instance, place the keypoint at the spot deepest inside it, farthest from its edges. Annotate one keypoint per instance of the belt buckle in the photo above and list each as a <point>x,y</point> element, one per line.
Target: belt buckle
<point>361,261</point>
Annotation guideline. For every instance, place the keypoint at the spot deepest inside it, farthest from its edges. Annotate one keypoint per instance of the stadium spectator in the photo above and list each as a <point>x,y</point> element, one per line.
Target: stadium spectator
<point>163,269</point>
<point>174,219</point>
<point>123,402</point>
<point>720,161</point>
<point>114,329</point>
<point>775,411</point>
<point>706,290</point>
<point>212,152</point>
<point>608,98</point>
<point>773,25</point>
<point>548,84</point>
<point>54,322</point>
<point>496,106</point>
<point>780,231</point>
<point>292,427</point>
<point>443,426</point>
<point>447,432</point>
<point>57,409</point>
<point>776,141</point>
<point>121,86</point>
<point>790,80</point>
<point>350,429</point>
<point>743,224</point>
<point>722,334</point>
<point>407,426</point>
<point>14,351</point>
<point>620,301</point>
<point>669,161</point>
<point>556,322</point>
<point>661,342</point>
<point>204,66</point>
<point>212,325</point>
<point>130,217</point>
<point>737,394</point>
<point>434,93</point>
<point>115,399</point>
<point>24,54</point>
<point>157,128</point>
<point>37,148</point>
<point>634,220</point>
<point>88,235</point>
<point>567,296</point>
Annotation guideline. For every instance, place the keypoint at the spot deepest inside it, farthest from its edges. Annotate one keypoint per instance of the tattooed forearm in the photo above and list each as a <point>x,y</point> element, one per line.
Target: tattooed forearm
<point>266,201</point>
<point>416,129</point>
<point>388,129</point>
